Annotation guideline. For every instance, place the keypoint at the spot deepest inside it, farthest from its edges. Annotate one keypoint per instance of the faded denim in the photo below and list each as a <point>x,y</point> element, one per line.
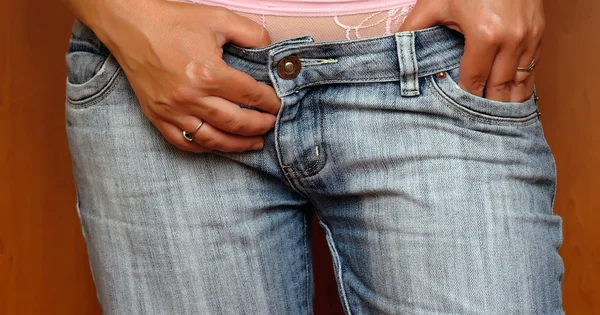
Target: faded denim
<point>433,200</point>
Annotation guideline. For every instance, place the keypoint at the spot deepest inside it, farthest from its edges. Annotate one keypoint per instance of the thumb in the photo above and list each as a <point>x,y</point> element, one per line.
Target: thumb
<point>423,15</point>
<point>246,33</point>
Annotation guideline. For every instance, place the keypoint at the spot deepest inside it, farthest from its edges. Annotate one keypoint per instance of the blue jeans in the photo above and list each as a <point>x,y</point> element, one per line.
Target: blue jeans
<point>432,200</point>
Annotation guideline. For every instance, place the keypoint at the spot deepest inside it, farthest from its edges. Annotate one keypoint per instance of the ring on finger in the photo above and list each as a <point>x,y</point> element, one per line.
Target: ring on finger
<point>529,68</point>
<point>189,136</point>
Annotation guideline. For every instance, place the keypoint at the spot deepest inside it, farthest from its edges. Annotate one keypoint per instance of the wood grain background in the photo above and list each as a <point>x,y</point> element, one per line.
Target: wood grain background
<point>43,264</point>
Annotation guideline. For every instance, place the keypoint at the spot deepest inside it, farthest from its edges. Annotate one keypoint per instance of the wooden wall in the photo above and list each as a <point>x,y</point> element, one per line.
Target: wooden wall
<point>43,264</point>
<point>568,81</point>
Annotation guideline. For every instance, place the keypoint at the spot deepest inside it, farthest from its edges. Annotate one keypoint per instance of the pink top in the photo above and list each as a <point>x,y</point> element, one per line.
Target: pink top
<point>307,7</point>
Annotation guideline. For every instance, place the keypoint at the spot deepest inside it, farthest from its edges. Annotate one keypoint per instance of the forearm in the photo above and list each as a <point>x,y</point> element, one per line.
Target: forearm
<point>109,19</point>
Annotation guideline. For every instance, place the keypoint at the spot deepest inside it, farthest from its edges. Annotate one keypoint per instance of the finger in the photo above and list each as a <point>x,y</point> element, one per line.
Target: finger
<point>422,15</point>
<point>212,138</point>
<point>232,118</point>
<point>476,63</point>
<point>175,137</point>
<point>516,39</point>
<point>524,81</point>
<point>242,31</point>
<point>172,133</point>
<point>524,90</point>
<point>241,88</point>
<point>501,80</point>
<point>526,58</point>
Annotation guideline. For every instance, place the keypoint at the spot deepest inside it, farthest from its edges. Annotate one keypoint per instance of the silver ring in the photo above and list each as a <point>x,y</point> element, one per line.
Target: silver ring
<point>528,68</point>
<point>189,136</point>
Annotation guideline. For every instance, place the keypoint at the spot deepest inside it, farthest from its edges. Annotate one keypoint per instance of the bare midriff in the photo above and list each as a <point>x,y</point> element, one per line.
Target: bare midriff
<point>324,20</point>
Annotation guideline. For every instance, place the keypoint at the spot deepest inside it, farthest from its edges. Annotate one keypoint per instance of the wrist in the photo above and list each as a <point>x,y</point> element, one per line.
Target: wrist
<point>119,21</point>
<point>114,20</point>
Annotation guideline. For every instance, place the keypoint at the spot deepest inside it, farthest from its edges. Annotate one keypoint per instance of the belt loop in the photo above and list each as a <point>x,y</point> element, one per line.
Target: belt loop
<point>407,59</point>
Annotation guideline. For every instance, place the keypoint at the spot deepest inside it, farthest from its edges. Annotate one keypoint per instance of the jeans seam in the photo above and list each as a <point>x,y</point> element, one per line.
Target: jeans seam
<point>488,119</point>
<point>267,49</point>
<point>306,263</point>
<point>361,80</point>
<point>315,167</point>
<point>100,95</point>
<point>284,48</point>
<point>324,82</point>
<point>289,176</point>
<point>337,264</point>
<point>404,80</point>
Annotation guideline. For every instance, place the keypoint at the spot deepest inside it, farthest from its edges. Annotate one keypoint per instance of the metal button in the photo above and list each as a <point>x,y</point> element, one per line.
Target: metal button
<point>441,75</point>
<point>289,67</point>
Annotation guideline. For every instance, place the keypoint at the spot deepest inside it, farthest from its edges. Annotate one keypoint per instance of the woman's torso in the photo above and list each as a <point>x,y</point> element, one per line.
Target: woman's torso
<point>323,19</point>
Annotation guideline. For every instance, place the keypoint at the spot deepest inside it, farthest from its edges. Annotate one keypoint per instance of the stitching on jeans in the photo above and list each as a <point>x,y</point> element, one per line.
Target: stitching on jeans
<point>100,95</point>
<point>292,181</point>
<point>362,80</point>
<point>332,249</point>
<point>300,174</point>
<point>315,167</point>
<point>334,253</point>
<point>438,70</point>
<point>321,82</point>
<point>296,184</point>
<point>308,297</point>
<point>266,49</point>
<point>277,145</point>
<point>414,63</point>
<point>273,78</point>
<point>318,164</point>
<point>402,68</point>
<point>352,41</point>
<point>307,62</point>
<point>476,113</point>
<point>405,91</point>
<point>489,119</point>
<point>338,264</point>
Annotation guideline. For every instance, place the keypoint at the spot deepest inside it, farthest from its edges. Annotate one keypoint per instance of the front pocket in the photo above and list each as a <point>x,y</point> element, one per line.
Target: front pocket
<point>92,69</point>
<point>479,108</point>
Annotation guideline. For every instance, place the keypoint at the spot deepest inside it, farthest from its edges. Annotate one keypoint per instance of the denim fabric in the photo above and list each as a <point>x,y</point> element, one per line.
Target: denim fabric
<point>433,200</point>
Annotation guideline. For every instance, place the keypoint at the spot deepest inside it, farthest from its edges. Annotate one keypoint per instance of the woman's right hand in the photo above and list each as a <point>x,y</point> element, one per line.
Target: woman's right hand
<point>171,53</point>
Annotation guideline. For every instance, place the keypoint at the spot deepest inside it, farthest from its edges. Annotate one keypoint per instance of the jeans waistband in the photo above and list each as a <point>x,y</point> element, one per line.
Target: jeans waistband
<point>402,57</point>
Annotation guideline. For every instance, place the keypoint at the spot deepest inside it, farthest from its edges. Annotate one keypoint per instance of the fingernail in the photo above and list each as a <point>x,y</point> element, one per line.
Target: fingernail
<point>257,146</point>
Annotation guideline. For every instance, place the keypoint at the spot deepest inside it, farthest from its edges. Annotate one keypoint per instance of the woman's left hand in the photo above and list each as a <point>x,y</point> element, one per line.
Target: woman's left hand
<point>500,36</point>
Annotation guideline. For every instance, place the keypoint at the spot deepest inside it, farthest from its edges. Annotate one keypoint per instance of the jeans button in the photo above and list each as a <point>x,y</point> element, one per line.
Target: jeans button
<point>289,67</point>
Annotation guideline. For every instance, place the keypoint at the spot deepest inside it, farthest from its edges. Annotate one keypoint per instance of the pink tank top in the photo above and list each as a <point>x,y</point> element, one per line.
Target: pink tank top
<point>308,7</point>
<point>323,19</point>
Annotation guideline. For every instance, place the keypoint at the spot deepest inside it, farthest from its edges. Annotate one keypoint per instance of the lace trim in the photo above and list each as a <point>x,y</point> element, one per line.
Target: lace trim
<point>354,26</point>
<point>324,28</point>
<point>393,16</point>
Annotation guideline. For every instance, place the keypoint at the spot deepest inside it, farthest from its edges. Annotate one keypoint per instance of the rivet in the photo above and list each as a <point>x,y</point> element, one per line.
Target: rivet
<point>441,75</point>
<point>289,67</point>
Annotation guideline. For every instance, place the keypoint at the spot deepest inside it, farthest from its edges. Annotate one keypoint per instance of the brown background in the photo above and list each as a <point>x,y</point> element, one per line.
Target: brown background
<point>43,264</point>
